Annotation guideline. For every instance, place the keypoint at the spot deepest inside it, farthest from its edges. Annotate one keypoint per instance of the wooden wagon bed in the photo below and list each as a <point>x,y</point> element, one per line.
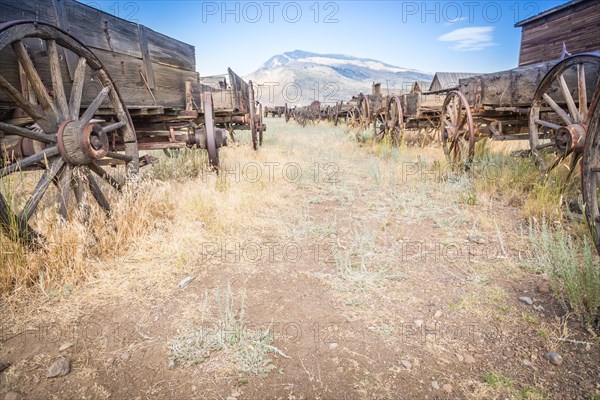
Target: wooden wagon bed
<point>151,70</point>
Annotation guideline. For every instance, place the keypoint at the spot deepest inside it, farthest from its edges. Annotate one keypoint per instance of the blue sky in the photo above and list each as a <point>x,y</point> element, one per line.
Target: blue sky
<point>461,36</point>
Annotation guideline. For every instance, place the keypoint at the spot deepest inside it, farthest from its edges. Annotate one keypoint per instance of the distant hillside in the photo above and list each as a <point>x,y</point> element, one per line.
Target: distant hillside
<point>327,77</point>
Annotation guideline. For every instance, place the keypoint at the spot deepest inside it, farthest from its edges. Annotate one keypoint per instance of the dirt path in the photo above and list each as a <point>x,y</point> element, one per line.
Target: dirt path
<point>322,269</point>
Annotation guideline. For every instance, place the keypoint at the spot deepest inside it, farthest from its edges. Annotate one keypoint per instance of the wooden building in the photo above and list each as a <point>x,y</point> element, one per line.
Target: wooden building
<point>576,24</point>
<point>448,80</point>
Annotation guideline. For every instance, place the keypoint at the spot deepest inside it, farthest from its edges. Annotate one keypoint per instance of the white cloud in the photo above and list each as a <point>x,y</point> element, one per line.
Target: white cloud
<point>469,39</point>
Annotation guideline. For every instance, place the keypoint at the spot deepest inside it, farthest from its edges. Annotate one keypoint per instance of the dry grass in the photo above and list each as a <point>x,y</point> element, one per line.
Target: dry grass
<point>222,337</point>
<point>157,227</point>
<point>572,267</point>
<point>70,249</point>
<point>497,172</point>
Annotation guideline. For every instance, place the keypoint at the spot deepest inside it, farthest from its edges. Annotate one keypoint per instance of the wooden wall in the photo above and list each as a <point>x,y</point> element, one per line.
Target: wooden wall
<point>578,26</point>
<point>124,47</point>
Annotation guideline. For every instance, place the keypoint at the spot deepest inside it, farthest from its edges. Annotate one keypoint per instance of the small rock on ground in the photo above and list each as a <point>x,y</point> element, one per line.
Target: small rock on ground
<point>469,359</point>
<point>333,346</point>
<point>65,346</point>
<point>4,365</point>
<point>476,238</point>
<point>185,281</point>
<point>508,353</point>
<point>13,396</point>
<point>435,385</point>
<point>171,364</point>
<point>61,367</point>
<point>554,358</point>
<point>437,314</point>
<point>406,364</point>
<point>526,300</point>
<point>447,388</point>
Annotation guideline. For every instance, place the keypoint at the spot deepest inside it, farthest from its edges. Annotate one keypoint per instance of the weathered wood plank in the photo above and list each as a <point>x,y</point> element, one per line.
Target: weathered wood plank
<point>168,51</point>
<point>577,26</point>
<point>38,10</point>
<point>169,87</point>
<point>63,23</point>
<point>146,56</point>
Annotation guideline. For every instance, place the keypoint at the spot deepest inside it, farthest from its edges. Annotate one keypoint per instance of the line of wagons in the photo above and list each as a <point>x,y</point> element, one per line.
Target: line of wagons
<point>84,96</point>
<point>552,104</point>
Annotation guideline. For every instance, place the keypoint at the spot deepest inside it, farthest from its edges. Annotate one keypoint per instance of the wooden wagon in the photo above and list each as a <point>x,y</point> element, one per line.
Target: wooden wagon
<point>235,107</point>
<point>545,100</point>
<point>82,93</point>
<point>275,111</point>
<point>305,114</point>
<point>381,112</point>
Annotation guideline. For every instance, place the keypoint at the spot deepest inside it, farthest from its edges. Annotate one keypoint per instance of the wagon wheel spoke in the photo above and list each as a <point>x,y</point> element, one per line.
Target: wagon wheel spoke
<point>113,127</point>
<point>569,99</point>
<point>64,188</point>
<point>77,88</point>
<point>24,104</point>
<point>36,82</point>
<point>78,187</point>
<point>57,81</point>
<point>96,191</point>
<point>39,191</point>
<point>12,225</point>
<point>26,133</point>
<point>547,147</point>
<point>562,113</point>
<point>582,89</point>
<point>94,105</point>
<point>574,161</point>
<point>556,162</point>
<point>101,172</point>
<point>450,114</point>
<point>461,125</point>
<point>29,161</point>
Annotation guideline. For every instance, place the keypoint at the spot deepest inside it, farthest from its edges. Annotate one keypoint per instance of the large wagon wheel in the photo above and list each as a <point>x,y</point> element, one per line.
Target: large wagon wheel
<point>365,111</point>
<point>557,119</point>
<point>380,124</point>
<point>590,171</point>
<point>395,120</point>
<point>260,126</point>
<point>55,135</point>
<point>253,127</point>
<point>353,118</point>
<point>209,127</point>
<point>457,129</point>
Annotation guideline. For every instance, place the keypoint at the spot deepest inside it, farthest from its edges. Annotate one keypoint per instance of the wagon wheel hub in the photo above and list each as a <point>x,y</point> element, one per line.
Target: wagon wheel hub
<point>81,144</point>
<point>571,138</point>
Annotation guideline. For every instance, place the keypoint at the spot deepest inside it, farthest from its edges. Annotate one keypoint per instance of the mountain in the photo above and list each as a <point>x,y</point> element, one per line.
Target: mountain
<point>300,77</point>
